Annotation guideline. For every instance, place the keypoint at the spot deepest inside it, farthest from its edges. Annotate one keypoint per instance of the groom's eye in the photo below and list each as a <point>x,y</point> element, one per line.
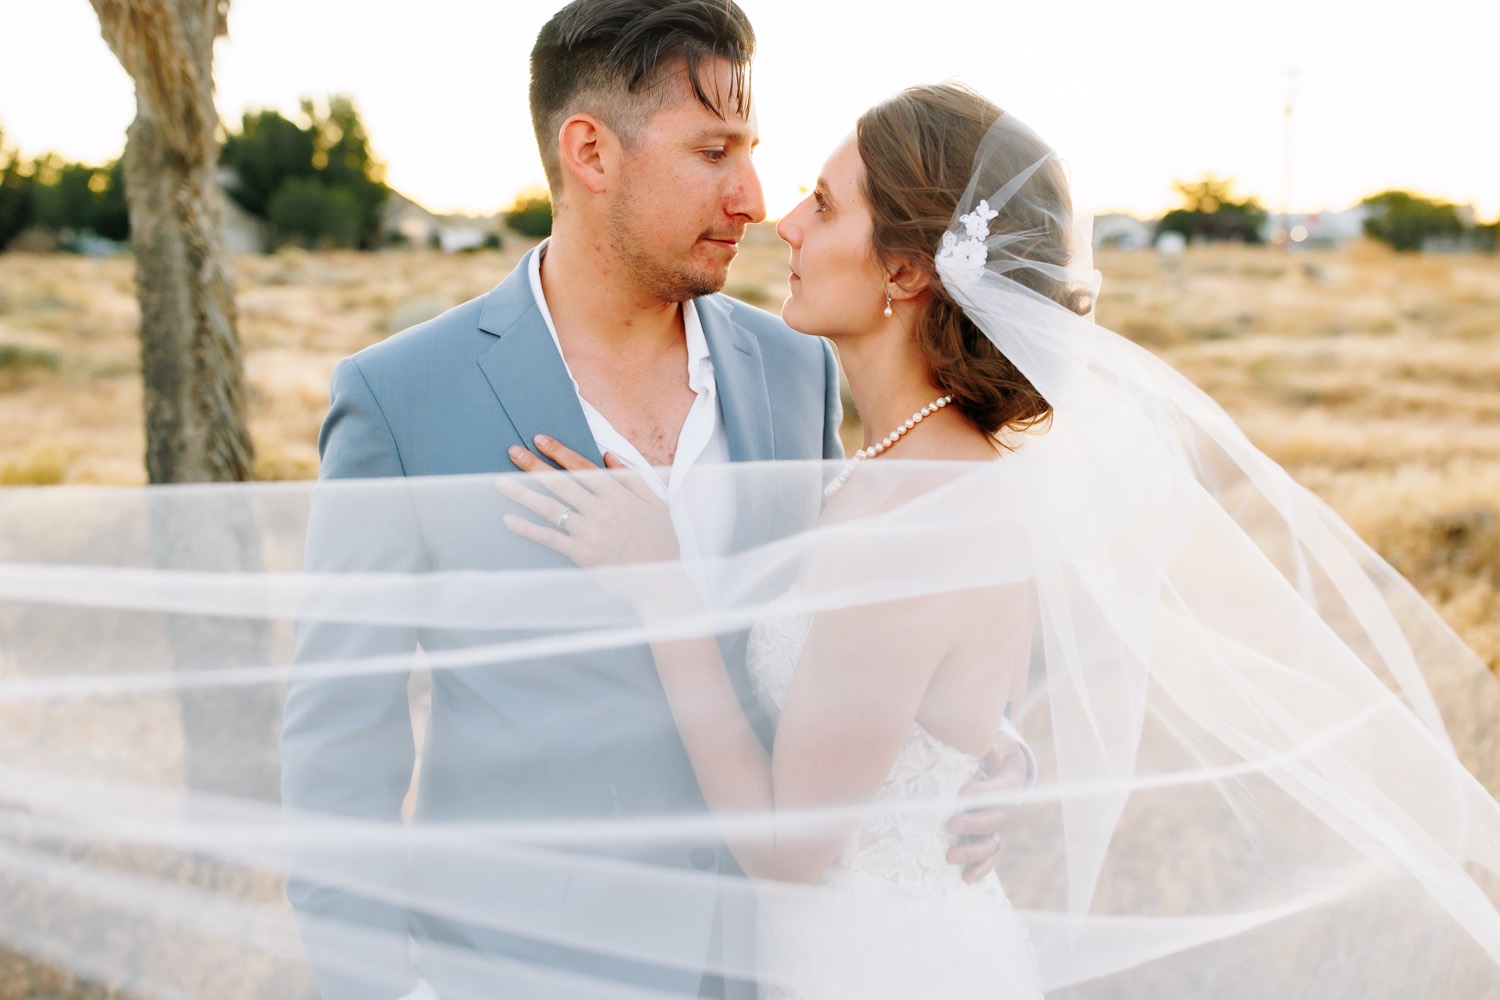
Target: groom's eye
<point>714,155</point>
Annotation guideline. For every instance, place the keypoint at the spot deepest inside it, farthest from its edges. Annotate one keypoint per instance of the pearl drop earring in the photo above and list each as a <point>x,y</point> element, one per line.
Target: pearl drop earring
<point>888,302</point>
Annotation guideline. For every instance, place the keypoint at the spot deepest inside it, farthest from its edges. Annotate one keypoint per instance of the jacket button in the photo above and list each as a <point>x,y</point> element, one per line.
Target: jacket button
<point>704,857</point>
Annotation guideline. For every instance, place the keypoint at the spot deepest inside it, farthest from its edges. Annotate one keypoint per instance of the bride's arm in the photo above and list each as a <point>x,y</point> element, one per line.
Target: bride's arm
<point>853,701</point>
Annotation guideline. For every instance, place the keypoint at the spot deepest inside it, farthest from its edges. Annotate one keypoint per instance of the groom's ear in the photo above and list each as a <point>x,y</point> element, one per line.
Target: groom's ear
<point>584,147</point>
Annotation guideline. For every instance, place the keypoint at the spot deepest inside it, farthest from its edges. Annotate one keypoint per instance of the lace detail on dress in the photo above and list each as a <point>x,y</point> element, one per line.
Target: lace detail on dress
<point>899,920</point>
<point>898,844</point>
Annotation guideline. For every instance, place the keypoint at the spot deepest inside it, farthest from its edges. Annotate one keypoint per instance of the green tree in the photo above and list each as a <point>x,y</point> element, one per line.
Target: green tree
<point>344,161</point>
<point>1406,221</point>
<point>266,151</point>
<point>1211,213</point>
<point>79,198</point>
<point>329,148</point>
<point>112,210</point>
<point>17,194</point>
<point>1485,237</point>
<point>531,213</point>
<point>62,193</point>
<point>304,210</point>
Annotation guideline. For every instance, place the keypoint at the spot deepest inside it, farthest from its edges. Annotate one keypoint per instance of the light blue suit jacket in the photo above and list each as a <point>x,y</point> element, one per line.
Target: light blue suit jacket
<point>450,397</point>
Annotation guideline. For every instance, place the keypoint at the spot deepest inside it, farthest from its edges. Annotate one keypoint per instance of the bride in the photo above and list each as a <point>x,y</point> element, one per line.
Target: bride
<point>1203,627</point>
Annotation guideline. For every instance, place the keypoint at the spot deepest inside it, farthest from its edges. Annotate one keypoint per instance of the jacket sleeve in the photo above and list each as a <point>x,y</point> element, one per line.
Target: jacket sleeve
<point>833,406</point>
<point>346,743</point>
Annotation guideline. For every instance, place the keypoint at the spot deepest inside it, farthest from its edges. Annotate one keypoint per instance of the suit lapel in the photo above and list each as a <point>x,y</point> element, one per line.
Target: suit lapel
<point>527,373</point>
<point>744,398</point>
<point>740,374</point>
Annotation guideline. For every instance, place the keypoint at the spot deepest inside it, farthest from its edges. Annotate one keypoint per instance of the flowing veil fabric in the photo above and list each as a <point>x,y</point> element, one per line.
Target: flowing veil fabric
<point>1245,785</point>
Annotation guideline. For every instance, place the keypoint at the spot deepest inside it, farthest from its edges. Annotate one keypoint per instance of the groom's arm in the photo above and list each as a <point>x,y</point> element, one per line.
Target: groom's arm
<point>346,745</point>
<point>833,406</point>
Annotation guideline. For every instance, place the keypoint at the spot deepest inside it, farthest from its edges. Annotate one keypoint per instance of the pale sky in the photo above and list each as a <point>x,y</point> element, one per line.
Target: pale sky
<point>1134,93</point>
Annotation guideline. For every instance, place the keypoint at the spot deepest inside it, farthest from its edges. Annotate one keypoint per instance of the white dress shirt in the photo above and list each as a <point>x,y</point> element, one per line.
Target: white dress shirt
<point>701,441</point>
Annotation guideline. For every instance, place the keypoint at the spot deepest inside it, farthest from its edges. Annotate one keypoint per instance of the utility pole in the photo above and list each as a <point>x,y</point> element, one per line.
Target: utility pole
<point>1286,163</point>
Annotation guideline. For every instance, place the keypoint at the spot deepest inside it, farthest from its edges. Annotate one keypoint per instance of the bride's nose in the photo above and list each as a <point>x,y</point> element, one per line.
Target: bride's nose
<point>789,228</point>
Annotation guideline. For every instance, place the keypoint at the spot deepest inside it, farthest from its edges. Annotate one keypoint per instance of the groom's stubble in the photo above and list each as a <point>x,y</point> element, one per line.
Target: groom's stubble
<point>653,268</point>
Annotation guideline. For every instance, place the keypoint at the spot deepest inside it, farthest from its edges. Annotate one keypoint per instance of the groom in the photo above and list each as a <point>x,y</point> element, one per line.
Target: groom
<point>609,337</point>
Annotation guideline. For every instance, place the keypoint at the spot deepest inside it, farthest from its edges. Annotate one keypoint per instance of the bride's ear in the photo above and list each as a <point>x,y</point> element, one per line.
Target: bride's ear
<point>907,281</point>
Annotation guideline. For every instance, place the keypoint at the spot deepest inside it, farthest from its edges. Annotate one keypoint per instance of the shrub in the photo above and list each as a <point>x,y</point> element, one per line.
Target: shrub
<point>307,212</point>
<point>1405,221</point>
<point>17,196</point>
<point>531,214</point>
<point>18,357</point>
<point>1211,213</point>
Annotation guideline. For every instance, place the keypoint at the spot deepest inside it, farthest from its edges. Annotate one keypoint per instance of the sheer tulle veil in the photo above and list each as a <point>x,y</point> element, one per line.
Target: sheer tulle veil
<point>1245,787</point>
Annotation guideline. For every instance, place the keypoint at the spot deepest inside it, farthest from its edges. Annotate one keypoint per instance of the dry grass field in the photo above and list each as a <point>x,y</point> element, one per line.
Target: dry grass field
<point>1374,378</point>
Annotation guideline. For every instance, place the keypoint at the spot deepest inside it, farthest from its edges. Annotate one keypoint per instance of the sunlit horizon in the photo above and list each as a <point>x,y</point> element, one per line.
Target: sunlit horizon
<point>1134,99</point>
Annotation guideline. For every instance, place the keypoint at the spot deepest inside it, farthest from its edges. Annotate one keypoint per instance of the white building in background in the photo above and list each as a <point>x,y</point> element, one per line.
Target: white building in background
<point>421,228</point>
<point>452,239</point>
<point>243,233</point>
<point>1308,230</point>
<point>1123,232</point>
<point>1318,230</point>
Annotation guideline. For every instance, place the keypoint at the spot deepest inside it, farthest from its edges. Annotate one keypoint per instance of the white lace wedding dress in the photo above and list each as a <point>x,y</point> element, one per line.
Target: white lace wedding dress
<point>896,919</point>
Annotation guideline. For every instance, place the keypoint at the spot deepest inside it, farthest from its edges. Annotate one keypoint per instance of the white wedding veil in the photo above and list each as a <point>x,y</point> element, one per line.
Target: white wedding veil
<point>447,746</point>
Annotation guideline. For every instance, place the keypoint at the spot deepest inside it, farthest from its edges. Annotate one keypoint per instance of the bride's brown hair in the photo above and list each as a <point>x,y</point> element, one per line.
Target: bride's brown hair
<point>918,150</point>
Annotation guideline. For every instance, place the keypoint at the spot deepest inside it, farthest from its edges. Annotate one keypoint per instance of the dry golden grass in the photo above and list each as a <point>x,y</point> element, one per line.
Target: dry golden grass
<point>1374,378</point>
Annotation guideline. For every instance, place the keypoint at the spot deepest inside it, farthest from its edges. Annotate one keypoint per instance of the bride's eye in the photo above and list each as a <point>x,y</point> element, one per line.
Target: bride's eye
<point>822,205</point>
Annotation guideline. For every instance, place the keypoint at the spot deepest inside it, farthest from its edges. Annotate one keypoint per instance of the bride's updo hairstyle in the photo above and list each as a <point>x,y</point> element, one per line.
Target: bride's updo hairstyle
<point>918,150</point>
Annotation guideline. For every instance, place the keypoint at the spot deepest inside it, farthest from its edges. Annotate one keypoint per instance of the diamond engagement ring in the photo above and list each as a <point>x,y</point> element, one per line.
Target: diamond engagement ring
<point>562,519</point>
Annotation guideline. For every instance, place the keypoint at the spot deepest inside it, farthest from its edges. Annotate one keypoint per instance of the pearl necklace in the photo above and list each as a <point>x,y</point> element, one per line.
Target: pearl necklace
<point>875,449</point>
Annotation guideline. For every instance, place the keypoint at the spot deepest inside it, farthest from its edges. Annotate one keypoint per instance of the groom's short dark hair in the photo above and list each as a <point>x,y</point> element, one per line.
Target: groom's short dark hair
<point>616,59</point>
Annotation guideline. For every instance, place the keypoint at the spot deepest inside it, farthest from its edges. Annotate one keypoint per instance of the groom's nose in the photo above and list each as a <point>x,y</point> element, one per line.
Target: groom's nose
<point>745,199</point>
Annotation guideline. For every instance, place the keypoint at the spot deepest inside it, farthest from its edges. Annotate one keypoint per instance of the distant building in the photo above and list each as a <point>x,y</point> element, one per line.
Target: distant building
<point>1318,230</point>
<point>452,239</point>
<point>1123,232</point>
<point>1309,230</point>
<point>243,232</point>
<point>1467,240</point>
<point>407,221</point>
<point>403,221</point>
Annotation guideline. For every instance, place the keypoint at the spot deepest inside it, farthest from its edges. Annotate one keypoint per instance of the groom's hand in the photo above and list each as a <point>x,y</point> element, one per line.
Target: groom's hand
<point>981,831</point>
